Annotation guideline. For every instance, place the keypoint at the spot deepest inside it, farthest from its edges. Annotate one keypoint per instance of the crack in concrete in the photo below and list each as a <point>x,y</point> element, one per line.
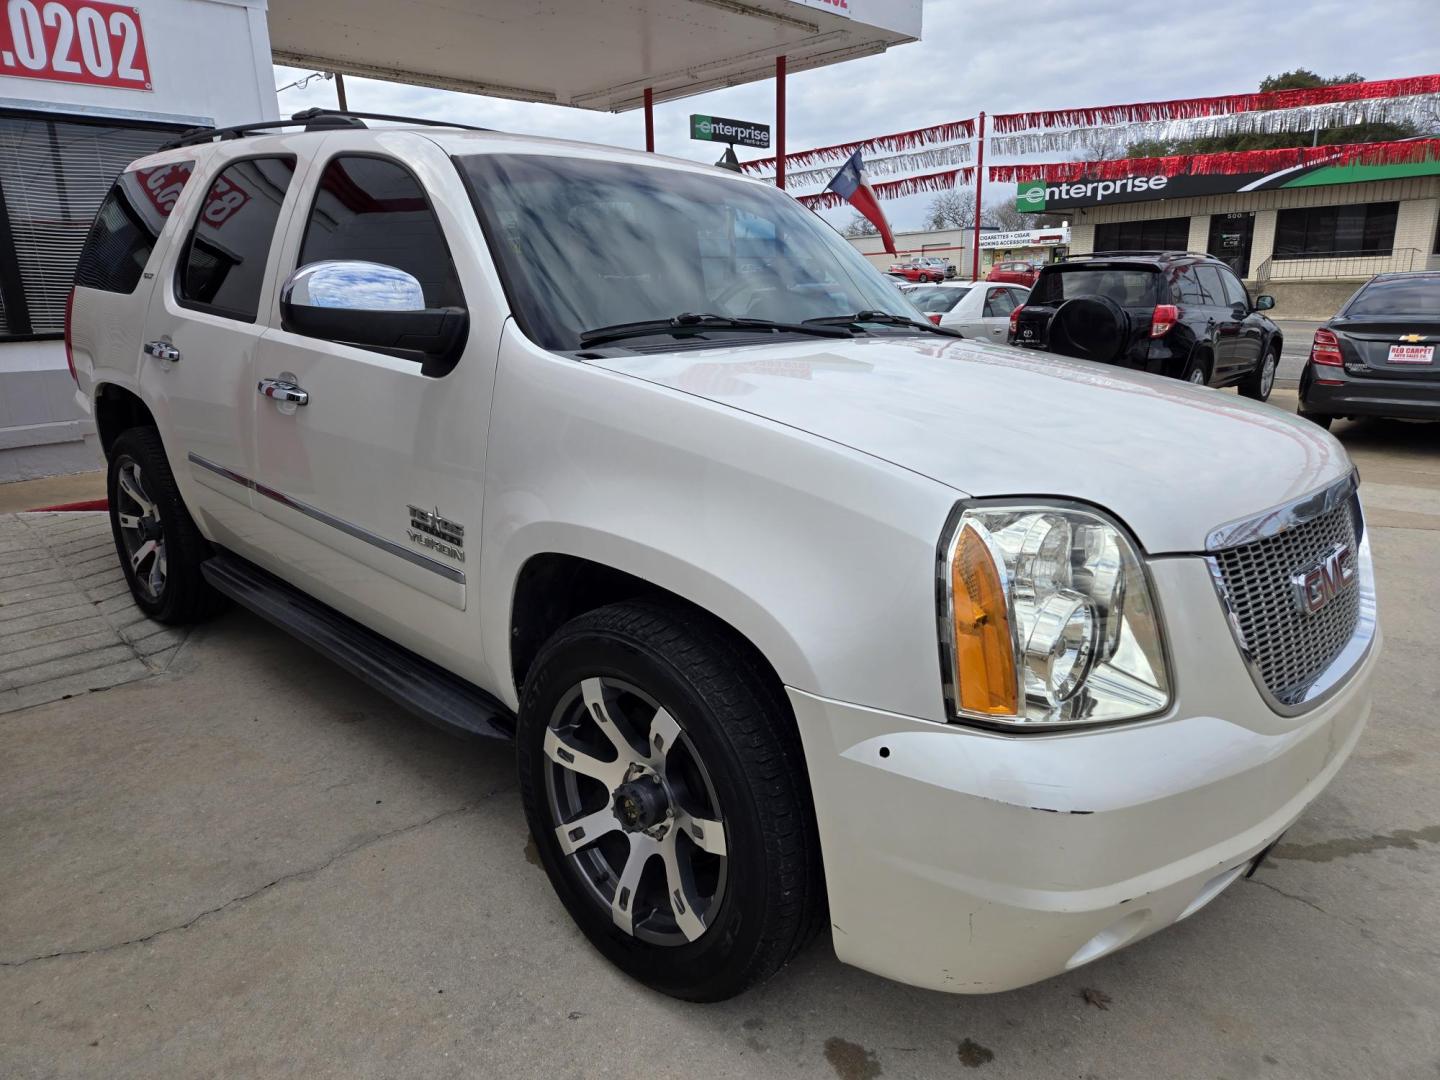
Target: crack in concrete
<point>233,901</point>
<point>1290,896</point>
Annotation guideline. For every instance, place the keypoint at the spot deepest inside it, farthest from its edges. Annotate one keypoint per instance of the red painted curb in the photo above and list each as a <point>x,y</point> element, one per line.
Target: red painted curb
<point>88,504</point>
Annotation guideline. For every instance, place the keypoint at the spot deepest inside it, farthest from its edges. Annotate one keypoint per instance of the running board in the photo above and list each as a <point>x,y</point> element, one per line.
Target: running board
<point>427,690</point>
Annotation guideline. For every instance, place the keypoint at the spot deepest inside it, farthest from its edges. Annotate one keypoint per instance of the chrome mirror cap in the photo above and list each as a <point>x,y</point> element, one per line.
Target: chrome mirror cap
<point>353,285</point>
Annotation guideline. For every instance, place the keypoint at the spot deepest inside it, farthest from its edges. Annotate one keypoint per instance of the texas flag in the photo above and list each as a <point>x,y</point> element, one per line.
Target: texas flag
<point>852,185</point>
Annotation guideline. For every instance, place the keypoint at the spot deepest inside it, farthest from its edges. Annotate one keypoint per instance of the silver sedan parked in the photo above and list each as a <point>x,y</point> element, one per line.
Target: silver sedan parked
<point>980,311</point>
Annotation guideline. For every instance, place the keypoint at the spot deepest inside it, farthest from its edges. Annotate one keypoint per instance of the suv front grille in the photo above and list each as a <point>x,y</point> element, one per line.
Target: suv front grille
<point>1288,647</point>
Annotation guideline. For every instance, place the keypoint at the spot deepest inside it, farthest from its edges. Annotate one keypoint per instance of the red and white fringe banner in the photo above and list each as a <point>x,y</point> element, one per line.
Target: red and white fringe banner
<point>1189,108</point>
<point>958,154</point>
<point>1240,161</point>
<point>1274,122</point>
<point>895,189</point>
<point>901,140</point>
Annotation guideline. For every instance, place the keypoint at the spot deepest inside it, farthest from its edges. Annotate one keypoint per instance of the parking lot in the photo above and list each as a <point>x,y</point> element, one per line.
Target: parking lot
<point>223,856</point>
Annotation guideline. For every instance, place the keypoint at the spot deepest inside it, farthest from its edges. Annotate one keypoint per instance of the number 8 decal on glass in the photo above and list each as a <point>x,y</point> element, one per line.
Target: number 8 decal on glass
<point>94,43</point>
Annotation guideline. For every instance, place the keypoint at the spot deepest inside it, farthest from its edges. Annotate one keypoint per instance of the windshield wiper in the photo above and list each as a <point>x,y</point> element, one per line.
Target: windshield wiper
<point>884,318</point>
<point>690,322</point>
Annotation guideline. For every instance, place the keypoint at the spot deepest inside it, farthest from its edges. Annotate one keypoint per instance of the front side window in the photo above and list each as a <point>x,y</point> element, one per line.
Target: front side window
<point>372,209</point>
<point>1210,286</point>
<point>222,267</point>
<point>1234,292</point>
<point>586,244</point>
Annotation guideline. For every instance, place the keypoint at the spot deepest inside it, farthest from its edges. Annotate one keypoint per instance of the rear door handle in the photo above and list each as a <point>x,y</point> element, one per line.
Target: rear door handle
<point>283,390</point>
<point>162,350</point>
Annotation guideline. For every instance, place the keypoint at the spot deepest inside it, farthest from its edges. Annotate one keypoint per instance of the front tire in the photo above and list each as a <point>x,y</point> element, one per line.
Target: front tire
<point>664,784</point>
<point>160,548</point>
<point>1258,384</point>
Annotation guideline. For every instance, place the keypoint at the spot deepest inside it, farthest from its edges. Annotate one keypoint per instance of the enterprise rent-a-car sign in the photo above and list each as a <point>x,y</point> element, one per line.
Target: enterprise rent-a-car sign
<point>736,132</point>
<point>1035,196</point>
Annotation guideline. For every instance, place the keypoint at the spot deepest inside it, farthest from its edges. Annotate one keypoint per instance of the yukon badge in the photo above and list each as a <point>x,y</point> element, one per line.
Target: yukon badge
<point>430,529</point>
<point>1318,585</point>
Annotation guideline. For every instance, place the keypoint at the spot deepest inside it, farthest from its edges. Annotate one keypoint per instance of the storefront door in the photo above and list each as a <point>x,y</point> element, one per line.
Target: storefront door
<point>1230,236</point>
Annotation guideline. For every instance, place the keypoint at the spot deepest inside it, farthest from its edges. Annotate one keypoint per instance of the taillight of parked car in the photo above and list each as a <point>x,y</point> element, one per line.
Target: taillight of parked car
<point>1015,319</point>
<point>1325,352</point>
<point>69,349</point>
<point>1162,319</point>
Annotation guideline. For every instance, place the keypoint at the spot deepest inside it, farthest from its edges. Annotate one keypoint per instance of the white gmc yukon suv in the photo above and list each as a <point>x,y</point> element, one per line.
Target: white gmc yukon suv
<point>799,611</point>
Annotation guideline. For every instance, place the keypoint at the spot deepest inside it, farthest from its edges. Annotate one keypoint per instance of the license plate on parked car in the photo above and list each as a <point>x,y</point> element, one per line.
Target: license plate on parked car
<point>1412,354</point>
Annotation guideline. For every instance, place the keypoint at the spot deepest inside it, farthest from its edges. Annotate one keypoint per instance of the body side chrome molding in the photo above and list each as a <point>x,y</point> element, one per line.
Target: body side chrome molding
<point>350,529</point>
<point>1285,516</point>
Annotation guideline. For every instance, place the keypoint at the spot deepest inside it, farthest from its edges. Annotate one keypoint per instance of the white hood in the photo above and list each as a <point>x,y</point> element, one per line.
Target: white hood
<point>1170,460</point>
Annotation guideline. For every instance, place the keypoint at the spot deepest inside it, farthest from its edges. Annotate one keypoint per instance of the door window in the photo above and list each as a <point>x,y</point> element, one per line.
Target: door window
<point>127,225</point>
<point>374,210</point>
<point>999,303</point>
<point>222,268</point>
<point>1234,291</point>
<point>1211,291</point>
<point>1186,286</point>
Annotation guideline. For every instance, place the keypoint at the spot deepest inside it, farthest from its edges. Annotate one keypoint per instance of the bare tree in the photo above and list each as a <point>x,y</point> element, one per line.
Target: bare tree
<point>858,225</point>
<point>951,210</point>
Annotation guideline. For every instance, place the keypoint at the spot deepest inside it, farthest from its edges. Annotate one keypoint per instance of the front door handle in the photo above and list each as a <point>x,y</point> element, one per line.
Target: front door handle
<point>283,390</point>
<point>162,350</point>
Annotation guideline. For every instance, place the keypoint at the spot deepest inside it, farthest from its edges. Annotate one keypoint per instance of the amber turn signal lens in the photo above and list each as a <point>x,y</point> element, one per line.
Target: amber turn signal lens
<point>984,655</point>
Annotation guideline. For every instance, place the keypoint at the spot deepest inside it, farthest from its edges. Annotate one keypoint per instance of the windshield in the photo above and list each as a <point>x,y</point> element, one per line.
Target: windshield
<point>1406,296</point>
<point>937,300</point>
<point>584,244</point>
<point>1128,288</point>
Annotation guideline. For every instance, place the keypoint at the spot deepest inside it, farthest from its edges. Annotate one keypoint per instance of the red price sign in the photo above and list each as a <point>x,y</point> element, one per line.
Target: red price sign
<point>76,41</point>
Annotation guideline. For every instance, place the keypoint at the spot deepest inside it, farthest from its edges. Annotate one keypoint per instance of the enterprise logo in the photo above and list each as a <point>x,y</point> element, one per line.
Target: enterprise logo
<point>1036,194</point>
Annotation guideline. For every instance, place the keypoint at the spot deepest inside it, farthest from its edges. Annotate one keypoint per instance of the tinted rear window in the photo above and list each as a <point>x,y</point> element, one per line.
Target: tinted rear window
<point>936,300</point>
<point>1128,288</point>
<point>1408,296</point>
<point>127,225</point>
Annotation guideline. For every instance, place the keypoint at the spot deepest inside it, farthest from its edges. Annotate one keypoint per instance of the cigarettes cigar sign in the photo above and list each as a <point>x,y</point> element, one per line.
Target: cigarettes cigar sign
<point>735,132</point>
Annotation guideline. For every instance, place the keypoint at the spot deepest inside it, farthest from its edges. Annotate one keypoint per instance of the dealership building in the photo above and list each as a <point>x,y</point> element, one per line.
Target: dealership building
<point>1308,235</point>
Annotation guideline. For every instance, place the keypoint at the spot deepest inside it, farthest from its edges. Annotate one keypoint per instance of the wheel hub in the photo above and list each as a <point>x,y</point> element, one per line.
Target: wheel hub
<point>641,803</point>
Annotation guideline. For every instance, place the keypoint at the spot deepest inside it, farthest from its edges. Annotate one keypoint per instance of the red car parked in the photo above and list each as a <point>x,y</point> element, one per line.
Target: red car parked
<point>916,271</point>
<point>1020,272</point>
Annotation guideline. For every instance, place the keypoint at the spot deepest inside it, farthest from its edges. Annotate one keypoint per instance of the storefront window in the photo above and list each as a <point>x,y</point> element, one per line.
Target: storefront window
<point>54,174</point>
<point>1313,232</point>
<point>1157,234</point>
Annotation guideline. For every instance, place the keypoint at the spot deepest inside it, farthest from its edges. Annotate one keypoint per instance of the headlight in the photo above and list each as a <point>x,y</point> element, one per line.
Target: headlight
<point>1047,620</point>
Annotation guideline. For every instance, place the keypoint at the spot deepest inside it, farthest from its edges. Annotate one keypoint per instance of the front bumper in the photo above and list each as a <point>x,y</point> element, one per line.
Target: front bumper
<point>1406,399</point>
<point>970,861</point>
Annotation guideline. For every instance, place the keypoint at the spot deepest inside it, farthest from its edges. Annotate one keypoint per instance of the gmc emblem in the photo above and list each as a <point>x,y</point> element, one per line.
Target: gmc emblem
<point>1318,585</point>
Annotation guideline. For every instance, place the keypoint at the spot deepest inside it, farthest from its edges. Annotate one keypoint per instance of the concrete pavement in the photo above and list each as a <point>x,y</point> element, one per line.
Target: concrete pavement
<point>245,864</point>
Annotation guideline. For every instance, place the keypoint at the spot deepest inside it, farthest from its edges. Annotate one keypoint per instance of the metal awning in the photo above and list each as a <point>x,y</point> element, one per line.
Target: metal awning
<point>591,54</point>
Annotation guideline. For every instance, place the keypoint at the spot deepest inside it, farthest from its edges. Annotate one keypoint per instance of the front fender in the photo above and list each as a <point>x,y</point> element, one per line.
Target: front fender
<point>823,557</point>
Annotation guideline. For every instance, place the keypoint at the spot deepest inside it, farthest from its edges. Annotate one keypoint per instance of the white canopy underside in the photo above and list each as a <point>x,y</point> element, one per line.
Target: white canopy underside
<point>592,54</point>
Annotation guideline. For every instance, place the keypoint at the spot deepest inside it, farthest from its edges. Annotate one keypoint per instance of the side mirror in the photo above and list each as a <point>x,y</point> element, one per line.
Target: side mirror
<point>372,306</point>
<point>1264,302</point>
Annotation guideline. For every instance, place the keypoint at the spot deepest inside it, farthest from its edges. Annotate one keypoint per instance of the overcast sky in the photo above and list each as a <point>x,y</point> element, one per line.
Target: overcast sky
<point>996,55</point>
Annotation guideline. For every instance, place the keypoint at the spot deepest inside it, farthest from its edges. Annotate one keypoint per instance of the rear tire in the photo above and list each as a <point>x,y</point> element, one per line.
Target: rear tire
<point>642,674</point>
<point>1258,384</point>
<point>159,547</point>
<point>1197,371</point>
<point>1321,419</point>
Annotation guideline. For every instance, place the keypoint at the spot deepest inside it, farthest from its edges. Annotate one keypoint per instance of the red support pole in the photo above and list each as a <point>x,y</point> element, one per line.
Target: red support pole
<point>979,187</point>
<point>780,122</point>
<point>649,120</point>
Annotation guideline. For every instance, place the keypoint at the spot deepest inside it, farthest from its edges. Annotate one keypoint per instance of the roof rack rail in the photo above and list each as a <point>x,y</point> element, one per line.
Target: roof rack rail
<point>310,120</point>
<point>1142,252</point>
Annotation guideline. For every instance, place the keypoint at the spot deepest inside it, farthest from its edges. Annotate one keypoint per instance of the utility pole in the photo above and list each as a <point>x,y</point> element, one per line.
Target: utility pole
<point>340,92</point>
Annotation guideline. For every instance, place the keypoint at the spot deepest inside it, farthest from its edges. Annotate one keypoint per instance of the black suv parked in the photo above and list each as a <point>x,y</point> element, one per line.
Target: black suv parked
<point>1173,313</point>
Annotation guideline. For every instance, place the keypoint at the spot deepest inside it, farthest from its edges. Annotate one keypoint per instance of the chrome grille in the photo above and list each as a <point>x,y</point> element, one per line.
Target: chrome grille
<point>1288,647</point>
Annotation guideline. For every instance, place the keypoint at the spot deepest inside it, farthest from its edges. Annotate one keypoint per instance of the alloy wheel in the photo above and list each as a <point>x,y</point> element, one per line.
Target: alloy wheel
<point>142,534</point>
<point>634,812</point>
<point>1197,377</point>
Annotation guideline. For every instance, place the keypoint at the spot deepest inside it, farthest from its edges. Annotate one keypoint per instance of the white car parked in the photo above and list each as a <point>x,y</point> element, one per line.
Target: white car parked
<point>979,311</point>
<point>800,612</point>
